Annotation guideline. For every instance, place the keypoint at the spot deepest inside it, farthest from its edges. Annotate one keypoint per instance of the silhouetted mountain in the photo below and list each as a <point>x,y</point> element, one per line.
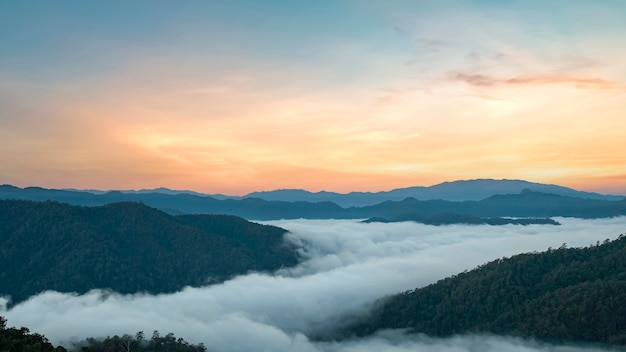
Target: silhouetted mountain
<point>530,203</point>
<point>249,208</point>
<point>560,295</point>
<point>457,191</point>
<point>127,247</point>
<point>451,191</point>
<point>525,204</point>
<point>163,190</point>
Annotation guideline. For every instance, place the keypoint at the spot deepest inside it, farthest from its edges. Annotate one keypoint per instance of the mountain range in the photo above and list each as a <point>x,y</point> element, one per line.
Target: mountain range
<point>461,190</point>
<point>457,191</point>
<point>513,202</point>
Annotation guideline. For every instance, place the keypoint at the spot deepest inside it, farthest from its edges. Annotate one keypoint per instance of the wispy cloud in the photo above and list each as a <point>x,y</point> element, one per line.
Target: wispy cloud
<point>485,80</point>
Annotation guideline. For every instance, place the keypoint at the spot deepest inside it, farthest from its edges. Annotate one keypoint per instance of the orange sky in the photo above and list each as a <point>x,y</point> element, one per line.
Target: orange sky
<point>369,97</point>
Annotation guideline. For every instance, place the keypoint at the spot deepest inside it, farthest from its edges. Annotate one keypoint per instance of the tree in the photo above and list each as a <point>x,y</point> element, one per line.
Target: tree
<point>128,343</point>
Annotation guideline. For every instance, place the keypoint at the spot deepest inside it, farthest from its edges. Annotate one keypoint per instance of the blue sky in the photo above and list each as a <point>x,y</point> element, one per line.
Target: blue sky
<point>239,96</point>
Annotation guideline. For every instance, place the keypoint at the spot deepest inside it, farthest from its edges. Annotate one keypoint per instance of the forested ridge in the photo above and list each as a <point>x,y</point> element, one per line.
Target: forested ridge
<point>128,248</point>
<point>565,294</point>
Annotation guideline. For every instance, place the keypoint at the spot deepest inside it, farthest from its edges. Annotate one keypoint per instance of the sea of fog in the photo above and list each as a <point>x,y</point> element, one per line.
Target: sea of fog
<point>347,265</point>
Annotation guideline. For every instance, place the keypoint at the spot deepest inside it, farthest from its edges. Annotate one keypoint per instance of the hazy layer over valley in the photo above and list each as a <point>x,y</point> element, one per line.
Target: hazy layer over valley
<point>348,265</point>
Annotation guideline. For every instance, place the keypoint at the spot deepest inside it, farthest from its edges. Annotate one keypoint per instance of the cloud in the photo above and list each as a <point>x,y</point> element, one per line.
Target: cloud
<point>347,266</point>
<point>395,341</point>
<point>482,80</point>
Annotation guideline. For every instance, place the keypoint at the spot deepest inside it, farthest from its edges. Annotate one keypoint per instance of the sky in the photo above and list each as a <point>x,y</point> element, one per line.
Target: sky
<point>347,265</point>
<point>239,96</point>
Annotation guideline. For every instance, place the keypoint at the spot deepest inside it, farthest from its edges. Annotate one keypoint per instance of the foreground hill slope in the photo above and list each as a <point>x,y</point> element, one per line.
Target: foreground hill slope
<point>560,295</point>
<point>127,247</point>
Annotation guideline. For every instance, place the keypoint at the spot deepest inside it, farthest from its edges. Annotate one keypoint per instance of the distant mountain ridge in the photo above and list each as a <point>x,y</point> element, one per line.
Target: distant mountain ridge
<point>526,203</point>
<point>161,190</point>
<point>462,190</point>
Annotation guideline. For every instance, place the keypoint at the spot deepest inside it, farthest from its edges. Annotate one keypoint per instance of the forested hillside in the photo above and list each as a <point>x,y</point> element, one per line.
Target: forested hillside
<point>567,294</point>
<point>127,247</point>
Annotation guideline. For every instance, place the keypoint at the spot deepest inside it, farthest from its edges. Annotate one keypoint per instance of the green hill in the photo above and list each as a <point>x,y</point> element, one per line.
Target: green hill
<point>575,294</point>
<point>127,247</point>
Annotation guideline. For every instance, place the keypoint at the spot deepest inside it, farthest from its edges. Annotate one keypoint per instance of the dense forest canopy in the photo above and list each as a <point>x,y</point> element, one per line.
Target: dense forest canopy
<point>564,294</point>
<point>128,248</point>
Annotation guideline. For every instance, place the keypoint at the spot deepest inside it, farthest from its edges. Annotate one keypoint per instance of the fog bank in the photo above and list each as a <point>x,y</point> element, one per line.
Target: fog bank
<point>347,266</point>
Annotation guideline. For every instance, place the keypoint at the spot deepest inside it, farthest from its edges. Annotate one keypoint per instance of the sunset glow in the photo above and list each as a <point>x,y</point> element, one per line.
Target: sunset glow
<point>237,96</point>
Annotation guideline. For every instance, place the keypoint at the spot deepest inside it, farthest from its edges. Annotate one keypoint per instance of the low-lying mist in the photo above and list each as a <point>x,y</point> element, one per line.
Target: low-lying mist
<point>347,265</point>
